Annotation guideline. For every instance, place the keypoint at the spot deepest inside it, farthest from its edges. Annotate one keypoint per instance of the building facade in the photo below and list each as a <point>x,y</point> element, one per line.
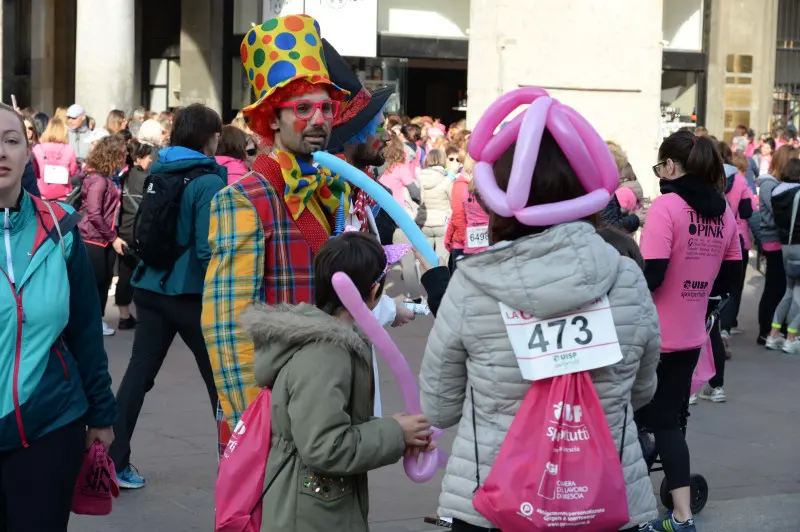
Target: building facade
<point>638,69</point>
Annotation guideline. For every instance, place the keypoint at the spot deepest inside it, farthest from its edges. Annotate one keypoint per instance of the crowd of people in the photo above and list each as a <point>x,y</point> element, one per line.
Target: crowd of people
<point>229,235</point>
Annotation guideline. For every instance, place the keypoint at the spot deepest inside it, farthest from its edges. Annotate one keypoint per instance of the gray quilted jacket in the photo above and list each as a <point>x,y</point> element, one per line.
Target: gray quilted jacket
<point>545,275</point>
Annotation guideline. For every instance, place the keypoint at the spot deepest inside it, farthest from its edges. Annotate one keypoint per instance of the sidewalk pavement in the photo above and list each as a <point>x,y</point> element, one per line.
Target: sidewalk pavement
<point>746,448</point>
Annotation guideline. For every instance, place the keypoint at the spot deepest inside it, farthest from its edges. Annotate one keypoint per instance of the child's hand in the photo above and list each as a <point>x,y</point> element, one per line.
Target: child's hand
<point>403,314</point>
<point>424,265</point>
<point>415,429</point>
<point>414,451</point>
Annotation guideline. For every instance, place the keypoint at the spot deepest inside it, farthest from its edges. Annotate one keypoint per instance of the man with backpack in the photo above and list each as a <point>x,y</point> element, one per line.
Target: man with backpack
<point>171,240</point>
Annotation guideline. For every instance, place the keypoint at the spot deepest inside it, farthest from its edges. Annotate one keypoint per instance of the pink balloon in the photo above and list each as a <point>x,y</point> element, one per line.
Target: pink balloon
<point>585,150</point>
<point>490,192</point>
<point>498,144</point>
<point>526,152</point>
<point>351,299</point>
<point>598,150</point>
<point>495,115</point>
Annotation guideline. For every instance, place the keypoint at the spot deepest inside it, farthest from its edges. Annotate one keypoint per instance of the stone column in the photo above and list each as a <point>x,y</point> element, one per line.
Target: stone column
<point>602,59</point>
<point>741,70</point>
<point>105,56</point>
<point>202,53</point>
<point>43,41</point>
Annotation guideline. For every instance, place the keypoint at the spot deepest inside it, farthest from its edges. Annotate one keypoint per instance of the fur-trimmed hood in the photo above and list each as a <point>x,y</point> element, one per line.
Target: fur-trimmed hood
<point>281,331</point>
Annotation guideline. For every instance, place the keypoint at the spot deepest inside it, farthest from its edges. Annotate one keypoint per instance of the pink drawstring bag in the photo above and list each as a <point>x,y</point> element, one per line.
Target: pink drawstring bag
<point>97,484</point>
<point>557,467</point>
<point>240,479</point>
<point>705,368</point>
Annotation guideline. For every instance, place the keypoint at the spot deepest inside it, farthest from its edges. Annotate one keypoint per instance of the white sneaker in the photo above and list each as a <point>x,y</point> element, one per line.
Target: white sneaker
<point>791,347</point>
<point>107,330</point>
<point>693,399</point>
<point>715,395</point>
<point>774,342</point>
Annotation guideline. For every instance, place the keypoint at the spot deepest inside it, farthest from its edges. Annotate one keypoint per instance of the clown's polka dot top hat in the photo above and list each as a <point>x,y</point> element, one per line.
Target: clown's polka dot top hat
<point>280,51</point>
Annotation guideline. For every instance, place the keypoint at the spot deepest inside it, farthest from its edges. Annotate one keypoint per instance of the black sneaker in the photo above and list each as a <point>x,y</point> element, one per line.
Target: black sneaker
<point>126,324</point>
<point>761,340</point>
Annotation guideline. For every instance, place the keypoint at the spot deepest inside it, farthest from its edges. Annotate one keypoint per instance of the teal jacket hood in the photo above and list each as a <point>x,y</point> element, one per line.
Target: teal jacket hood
<point>178,159</point>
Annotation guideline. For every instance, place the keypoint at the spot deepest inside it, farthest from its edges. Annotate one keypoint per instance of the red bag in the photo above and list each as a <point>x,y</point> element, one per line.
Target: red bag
<point>240,480</point>
<point>97,483</point>
<point>557,467</point>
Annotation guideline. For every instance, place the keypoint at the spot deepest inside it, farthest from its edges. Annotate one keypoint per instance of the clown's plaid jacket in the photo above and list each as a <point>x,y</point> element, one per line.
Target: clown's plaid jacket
<point>258,254</point>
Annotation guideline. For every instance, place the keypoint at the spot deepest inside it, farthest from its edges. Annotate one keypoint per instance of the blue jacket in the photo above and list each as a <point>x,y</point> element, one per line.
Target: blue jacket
<point>189,270</point>
<point>53,363</point>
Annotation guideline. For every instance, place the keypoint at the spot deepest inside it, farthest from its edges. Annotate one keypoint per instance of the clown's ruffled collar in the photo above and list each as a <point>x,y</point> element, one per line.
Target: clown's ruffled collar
<point>306,182</point>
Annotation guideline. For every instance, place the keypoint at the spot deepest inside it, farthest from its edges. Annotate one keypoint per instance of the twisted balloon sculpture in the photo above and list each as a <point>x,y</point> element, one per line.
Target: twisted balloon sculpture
<point>352,301</point>
<point>585,150</point>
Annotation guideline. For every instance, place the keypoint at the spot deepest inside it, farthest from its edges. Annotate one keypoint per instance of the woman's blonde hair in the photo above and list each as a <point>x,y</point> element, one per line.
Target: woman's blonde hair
<point>435,157</point>
<point>114,121</point>
<point>108,156</point>
<point>56,131</point>
<point>469,166</point>
<point>60,114</point>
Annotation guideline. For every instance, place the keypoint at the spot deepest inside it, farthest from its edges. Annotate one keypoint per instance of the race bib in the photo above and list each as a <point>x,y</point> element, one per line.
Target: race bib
<point>56,175</point>
<point>478,236</point>
<point>579,341</point>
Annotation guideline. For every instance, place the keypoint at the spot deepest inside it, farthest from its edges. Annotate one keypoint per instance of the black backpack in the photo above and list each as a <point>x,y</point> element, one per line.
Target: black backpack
<point>156,224</point>
<point>74,198</point>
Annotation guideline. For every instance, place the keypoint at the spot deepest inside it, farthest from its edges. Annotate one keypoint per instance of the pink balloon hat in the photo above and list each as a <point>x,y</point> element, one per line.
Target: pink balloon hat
<point>586,152</point>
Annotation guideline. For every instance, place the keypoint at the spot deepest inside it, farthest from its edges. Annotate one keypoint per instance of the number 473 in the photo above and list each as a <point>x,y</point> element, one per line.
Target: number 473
<point>538,340</point>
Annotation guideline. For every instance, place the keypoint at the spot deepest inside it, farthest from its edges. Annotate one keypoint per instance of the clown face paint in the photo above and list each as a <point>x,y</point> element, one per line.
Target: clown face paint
<point>304,136</point>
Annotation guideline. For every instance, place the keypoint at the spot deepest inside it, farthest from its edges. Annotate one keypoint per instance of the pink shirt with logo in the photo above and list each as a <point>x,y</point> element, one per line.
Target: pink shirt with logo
<point>695,246</point>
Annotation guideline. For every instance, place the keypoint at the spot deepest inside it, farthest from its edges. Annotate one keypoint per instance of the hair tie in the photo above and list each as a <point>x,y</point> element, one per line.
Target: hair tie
<point>587,153</point>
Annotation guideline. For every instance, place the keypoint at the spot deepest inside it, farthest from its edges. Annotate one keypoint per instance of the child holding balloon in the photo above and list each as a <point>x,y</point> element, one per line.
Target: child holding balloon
<point>319,367</point>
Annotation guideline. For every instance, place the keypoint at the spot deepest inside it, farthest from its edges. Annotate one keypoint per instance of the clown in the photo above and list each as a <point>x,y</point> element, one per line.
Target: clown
<point>266,228</point>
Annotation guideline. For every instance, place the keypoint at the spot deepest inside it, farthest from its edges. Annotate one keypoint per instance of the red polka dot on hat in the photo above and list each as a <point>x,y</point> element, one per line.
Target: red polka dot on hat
<point>293,24</point>
<point>310,63</point>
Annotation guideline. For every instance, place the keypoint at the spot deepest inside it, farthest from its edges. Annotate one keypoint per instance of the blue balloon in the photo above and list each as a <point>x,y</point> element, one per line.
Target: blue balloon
<point>357,178</point>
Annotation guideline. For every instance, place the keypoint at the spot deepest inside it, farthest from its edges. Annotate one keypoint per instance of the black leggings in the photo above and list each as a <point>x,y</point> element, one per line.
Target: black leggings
<point>718,348</point>
<point>774,288</point>
<point>159,319</point>
<point>124,293</point>
<point>729,317</point>
<point>102,260</point>
<point>36,483</point>
<point>663,414</point>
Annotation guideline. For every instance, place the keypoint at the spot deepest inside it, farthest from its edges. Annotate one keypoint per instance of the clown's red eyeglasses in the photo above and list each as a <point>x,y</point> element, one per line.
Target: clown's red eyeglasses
<point>305,109</point>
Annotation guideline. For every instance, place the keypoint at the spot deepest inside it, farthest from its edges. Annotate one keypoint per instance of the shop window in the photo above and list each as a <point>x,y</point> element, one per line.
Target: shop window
<point>678,100</point>
<point>246,13</point>
<point>682,25</point>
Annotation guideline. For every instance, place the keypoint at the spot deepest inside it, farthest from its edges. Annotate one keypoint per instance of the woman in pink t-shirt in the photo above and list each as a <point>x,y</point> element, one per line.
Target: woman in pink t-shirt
<point>691,247</point>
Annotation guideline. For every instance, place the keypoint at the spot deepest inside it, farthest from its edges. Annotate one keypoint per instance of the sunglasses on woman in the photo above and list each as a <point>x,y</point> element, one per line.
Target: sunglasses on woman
<point>305,109</point>
<point>657,166</point>
<point>452,159</point>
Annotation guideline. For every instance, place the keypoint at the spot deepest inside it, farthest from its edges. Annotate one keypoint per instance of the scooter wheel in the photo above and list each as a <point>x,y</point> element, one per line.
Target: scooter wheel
<point>699,494</point>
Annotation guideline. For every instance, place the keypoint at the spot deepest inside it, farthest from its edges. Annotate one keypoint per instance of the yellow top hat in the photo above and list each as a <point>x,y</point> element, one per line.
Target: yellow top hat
<point>280,51</point>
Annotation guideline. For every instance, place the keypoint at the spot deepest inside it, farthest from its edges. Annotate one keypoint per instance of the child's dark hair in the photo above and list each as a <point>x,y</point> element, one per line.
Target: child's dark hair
<point>697,155</point>
<point>360,256</point>
<point>725,152</point>
<point>792,172</point>
<point>623,243</point>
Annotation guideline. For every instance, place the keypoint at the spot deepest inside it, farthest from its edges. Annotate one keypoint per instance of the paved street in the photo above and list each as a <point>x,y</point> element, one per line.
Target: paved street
<point>747,448</point>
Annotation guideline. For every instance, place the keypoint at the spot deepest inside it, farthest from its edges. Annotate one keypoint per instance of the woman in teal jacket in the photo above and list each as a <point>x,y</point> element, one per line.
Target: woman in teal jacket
<point>170,302</point>
<point>56,397</point>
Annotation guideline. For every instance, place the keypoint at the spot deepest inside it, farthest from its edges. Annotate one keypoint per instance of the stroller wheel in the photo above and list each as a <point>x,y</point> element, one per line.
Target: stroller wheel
<point>699,494</point>
<point>666,496</point>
